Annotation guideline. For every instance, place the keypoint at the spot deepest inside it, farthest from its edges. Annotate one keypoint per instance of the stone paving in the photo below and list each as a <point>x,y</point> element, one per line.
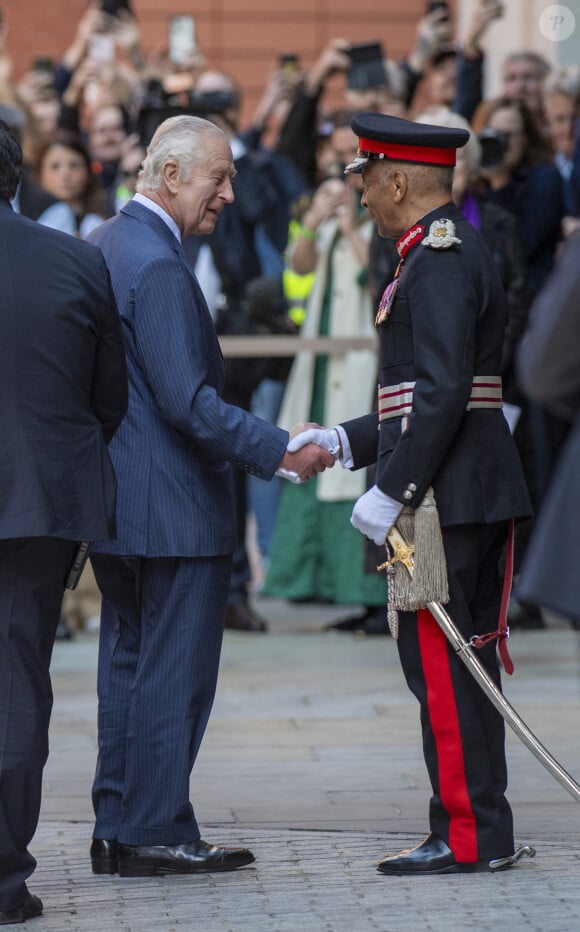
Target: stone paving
<point>312,758</point>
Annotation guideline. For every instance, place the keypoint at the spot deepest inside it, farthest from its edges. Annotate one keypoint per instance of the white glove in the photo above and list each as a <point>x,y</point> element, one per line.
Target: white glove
<point>327,438</point>
<point>374,514</point>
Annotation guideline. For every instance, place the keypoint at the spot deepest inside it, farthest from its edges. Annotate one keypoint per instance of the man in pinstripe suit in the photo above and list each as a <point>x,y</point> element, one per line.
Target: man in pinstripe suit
<point>165,579</point>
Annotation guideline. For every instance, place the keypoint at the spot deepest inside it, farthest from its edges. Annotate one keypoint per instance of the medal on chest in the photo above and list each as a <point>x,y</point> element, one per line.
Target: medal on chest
<point>404,245</point>
<point>386,302</point>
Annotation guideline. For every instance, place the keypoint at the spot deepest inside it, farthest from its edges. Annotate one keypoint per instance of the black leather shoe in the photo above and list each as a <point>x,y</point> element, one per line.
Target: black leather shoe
<point>240,617</point>
<point>31,908</point>
<point>374,621</point>
<point>197,857</point>
<point>524,616</point>
<point>104,856</point>
<point>432,856</point>
<point>63,631</point>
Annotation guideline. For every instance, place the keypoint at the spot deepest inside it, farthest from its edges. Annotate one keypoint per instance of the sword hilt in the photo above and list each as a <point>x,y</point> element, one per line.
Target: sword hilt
<point>402,551</point>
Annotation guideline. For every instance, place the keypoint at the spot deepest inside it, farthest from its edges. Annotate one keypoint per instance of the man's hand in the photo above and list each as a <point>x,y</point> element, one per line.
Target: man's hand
<point>307,461</point>
<point>374,514</point>
<point>327,438</point>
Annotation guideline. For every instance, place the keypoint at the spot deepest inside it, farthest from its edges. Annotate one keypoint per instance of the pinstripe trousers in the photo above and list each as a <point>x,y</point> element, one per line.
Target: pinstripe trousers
<point>161,632</point>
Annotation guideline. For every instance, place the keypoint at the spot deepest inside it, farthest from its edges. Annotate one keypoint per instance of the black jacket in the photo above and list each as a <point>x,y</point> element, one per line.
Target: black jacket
<point>63,384</point>
<point>445,327</point>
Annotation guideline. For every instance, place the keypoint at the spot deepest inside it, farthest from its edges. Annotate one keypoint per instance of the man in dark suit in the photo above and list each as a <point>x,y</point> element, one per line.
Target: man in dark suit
<point>165,579</point>
<point>63,393</point>
<point>440,425</point>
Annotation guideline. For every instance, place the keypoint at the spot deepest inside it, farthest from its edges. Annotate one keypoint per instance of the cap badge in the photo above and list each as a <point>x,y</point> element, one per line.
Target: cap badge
<point>441,235</point>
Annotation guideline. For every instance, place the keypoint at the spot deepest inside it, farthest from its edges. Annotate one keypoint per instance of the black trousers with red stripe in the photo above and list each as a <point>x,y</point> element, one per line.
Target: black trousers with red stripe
<point>463,734</point>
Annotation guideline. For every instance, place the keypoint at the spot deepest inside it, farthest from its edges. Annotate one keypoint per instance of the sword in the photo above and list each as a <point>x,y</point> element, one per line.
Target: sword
<point>403,553</point>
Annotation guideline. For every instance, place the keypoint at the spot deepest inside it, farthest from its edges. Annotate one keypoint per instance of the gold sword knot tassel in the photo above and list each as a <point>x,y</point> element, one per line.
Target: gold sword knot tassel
<point>400,552</point>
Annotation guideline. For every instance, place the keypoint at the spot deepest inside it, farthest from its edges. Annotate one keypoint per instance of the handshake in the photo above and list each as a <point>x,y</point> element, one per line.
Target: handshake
<point>311,450</point>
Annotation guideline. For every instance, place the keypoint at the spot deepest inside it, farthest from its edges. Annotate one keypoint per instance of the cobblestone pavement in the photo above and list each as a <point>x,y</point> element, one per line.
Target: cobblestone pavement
<point>304,882</point>
<point>312,758</point>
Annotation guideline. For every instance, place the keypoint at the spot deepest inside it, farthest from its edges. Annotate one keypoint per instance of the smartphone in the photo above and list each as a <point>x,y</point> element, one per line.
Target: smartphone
<point>289,62</point>
<point>114,7</point>
<point>182,41</point>
<point>367,67</point>
<point>101,48</point>
<point>433,5</point>
<point>44,64</point>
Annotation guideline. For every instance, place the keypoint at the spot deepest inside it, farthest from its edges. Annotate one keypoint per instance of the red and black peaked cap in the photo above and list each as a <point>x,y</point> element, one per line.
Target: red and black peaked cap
<point>391,137</point>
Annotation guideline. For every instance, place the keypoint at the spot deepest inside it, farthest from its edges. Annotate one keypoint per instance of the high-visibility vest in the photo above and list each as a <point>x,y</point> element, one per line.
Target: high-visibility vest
<point>296,287</point>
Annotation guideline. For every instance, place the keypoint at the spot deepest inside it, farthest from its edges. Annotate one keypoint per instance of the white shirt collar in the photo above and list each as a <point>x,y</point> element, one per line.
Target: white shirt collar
<point>238,148</point>
<point>152,205</point>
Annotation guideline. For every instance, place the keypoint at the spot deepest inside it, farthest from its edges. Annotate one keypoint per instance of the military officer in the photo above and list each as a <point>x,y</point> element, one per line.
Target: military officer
<point>440,426</point>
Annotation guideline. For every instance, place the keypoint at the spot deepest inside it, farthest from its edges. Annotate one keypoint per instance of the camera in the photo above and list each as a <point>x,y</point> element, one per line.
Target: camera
<point>494,146</point>
<point>159,105</point>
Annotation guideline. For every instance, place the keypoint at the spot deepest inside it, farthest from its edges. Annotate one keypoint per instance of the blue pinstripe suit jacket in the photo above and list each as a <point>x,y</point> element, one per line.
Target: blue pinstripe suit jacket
<point>176,448</point>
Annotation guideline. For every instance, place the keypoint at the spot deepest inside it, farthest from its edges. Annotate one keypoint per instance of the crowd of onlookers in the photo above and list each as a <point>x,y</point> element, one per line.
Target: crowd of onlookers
<point>85,120</point>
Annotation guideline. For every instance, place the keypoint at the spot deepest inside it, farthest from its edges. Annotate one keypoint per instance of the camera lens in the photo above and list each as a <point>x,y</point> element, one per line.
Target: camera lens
<point>494,146</point>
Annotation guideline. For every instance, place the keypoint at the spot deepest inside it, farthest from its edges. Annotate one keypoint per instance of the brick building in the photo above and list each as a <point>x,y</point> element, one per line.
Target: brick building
<point>243,37</point>
<point>246,36</point>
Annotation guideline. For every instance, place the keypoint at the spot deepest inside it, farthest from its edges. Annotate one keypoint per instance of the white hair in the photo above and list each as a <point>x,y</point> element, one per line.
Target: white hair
<point>180,139</point>
<point>565,81</point>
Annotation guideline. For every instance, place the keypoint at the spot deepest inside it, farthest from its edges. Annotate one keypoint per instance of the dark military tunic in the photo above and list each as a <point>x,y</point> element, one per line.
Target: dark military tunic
<point>445,326</point>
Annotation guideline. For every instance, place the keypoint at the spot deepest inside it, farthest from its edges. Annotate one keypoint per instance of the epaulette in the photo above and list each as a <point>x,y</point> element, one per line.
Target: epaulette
<point>441,235</point>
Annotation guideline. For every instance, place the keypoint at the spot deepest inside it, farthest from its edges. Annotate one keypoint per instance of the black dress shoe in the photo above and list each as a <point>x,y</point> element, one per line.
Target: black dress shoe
<point>197,857</point>
<point>524,616</point>
<point>63,631</point>
<point>374,621</point>
<point>432,856</point>
<point>240,617</point>
<point>31,908</point>
<point>104,856</point>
